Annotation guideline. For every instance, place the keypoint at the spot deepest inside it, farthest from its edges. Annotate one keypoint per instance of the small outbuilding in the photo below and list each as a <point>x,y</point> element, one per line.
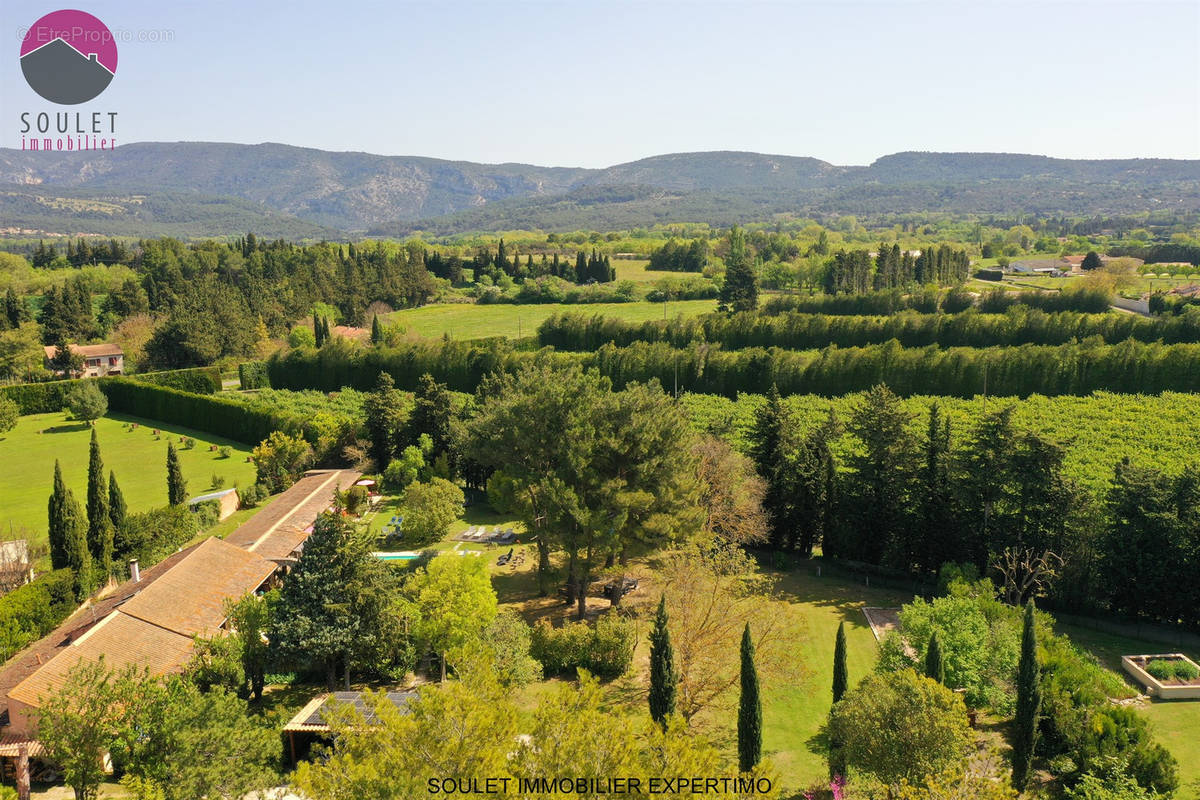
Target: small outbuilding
<point>227,502</point>
<point>311,723</point>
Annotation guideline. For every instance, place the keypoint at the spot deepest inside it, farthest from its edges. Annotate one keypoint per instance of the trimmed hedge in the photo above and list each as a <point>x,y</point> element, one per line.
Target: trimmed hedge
<point>31,611</point>
<point>51,396</point>
<point>253,375</point>
<point>39,398</point>
<point>228,419</point>
<point>199,380</point>
<point>1019,325</point>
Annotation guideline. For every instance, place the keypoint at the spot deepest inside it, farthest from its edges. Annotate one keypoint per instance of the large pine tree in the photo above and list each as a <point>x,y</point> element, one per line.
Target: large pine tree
<point>1029,702</point>
<point>739,292</point>
<point>176,485</point>
<point>99,530</point>
<point>749,709</point>
<point>664,677</point>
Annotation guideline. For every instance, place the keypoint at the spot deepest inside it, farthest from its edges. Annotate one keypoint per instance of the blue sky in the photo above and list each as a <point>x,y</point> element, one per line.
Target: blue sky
<point>596,83</point>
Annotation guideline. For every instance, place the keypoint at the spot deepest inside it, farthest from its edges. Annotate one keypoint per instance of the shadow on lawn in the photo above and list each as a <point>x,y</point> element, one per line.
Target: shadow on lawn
<point>801,585</point>
<point>71,428</point>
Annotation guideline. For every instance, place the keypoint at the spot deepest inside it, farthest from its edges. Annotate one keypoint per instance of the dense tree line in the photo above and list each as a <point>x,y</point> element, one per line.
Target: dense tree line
<point>80,253</point>
<point>677,256</point>
<point>578,331</point>
<point>994,497</point>
<point>1165,252</point>
<point>1077,368</point>
<point>859,272</point>
<point>494,265</point>
<point>929,301</point>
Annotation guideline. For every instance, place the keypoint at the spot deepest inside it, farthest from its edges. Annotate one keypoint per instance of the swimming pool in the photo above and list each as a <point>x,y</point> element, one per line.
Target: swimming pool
<point>402,555</point>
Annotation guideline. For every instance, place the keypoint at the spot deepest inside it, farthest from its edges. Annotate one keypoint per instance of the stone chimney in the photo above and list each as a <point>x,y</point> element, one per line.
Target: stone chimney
<point>135,573</point>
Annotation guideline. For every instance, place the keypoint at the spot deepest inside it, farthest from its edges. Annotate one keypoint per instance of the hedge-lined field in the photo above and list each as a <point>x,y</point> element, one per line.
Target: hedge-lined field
<point>472,321</point>
<point>1161,431</point>
<point>137,456</point>
<point>579,331</point>
<point>1129,367</point>
<point>43,398</point>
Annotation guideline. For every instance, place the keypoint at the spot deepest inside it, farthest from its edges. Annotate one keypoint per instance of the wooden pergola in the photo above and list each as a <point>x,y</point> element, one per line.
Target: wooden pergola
<point>313,719</point>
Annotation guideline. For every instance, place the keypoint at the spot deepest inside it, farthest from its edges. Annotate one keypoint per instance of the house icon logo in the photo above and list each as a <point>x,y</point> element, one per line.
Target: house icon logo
<point>68,57</point>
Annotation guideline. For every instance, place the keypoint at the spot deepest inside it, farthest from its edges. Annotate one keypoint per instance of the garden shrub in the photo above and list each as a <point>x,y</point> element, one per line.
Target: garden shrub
<point>253,375</point>
<point>151,536</point>
<point>605,649</point>
<point>29,612</point>
<point>1168,669</point>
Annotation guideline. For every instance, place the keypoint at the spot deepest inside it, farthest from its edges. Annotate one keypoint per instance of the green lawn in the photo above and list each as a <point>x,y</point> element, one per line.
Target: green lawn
<point>794,716</point>
<point>1176,723</point>
<point>136,455</point>
<point>471,321</point>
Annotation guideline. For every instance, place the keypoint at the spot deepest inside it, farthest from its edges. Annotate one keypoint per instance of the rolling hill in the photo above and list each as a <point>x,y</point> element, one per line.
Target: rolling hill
<point>204,188</point>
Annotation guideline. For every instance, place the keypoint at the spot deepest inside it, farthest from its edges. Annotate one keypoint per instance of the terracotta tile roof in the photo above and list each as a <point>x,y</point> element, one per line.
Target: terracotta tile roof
<point>274,528</point>
<point>121,640</point>
<point>190,598</point>
<point>29,660</point>
<point>88,350</point>
<point>282,543</point>
<point>10,746</point>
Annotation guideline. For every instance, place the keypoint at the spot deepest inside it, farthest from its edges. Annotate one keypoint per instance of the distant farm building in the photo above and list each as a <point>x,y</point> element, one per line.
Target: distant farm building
<point>98,360</point>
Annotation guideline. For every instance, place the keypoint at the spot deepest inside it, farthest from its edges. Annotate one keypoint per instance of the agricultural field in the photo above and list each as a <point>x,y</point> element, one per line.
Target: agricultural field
<point>472,321</point>
<point>136,455</point>
<point>635,270</point>
<point>1098,429</point>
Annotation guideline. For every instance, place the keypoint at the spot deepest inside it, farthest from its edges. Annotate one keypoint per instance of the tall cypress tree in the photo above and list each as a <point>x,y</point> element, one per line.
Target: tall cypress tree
<point>749,709</point>
<point>176,485</point>
<point>68,539</point>
<point>664,677</point>
<point>1029,701</point>
<point>376,330</point>
<point>318,333</point>
<point>99,530</point>
<point>935,662</point>
<point>837,759</point>
<point>581,267</point>
<point>117,509</point>
<point>840,677</point>
<point>63,517</point>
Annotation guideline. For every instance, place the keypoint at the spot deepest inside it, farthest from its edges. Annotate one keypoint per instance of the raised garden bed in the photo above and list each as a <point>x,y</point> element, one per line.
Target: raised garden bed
<point>1168,676</point>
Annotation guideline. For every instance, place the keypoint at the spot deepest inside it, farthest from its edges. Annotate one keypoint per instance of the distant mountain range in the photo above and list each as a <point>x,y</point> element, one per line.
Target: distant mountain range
<point>201,188</point>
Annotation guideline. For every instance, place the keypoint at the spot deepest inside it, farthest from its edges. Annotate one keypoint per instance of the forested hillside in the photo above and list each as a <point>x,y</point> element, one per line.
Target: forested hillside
<point>393,195</point>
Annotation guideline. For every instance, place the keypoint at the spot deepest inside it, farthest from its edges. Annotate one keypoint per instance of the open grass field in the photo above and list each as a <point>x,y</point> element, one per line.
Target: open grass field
<point>136,455</point>
<point>471,321</point>
<point>635,270</point>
